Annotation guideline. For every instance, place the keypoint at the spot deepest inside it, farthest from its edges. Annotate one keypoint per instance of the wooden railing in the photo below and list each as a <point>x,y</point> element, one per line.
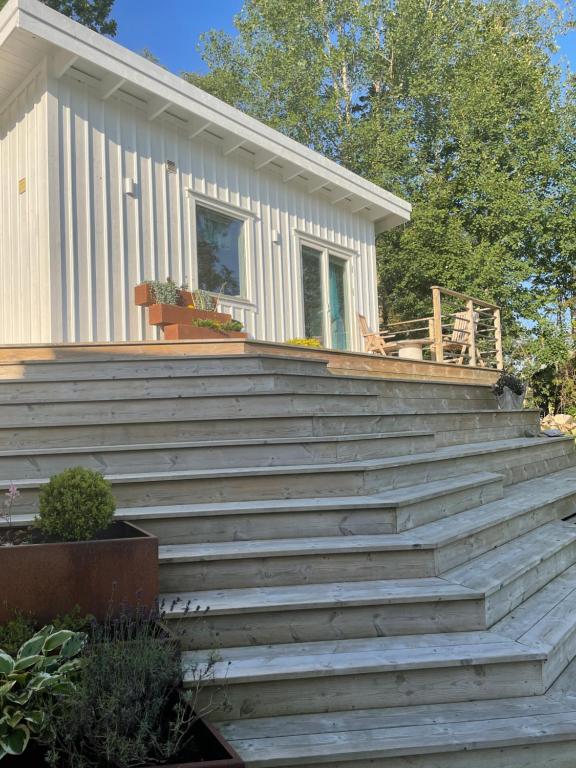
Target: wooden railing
<point>466,330</point>
<point>462,330</point>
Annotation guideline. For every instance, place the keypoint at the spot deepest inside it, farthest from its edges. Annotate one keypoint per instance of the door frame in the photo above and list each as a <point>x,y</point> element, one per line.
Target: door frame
<point>327,249</point>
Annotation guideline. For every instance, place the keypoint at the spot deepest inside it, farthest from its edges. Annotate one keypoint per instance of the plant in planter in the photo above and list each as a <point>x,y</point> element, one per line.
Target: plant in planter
<point>39,674</point>
<point>93,561</point>
<point>510,392</point>
<point>312,343</point>
<point>129,709</point>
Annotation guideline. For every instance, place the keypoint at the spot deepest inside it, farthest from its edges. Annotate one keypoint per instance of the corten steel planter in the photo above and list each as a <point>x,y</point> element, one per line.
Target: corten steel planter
<point>120,568</point>
<point>215,750</point>
<point>181,331</point>
<point>170,314</point>
<point>144,295</point>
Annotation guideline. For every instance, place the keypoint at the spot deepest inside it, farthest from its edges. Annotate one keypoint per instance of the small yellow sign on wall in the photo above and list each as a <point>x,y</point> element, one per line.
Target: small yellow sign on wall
<point>21,186</point>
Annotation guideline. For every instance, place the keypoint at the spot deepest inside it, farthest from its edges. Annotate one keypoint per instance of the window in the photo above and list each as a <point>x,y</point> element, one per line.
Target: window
<point>220,245</point>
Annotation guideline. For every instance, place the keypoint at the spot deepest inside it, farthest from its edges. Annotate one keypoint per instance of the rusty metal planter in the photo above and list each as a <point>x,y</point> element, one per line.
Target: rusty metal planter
<point>46,580</point>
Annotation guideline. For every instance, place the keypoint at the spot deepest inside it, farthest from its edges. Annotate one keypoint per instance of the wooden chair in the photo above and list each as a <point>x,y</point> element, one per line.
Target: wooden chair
<point>459,340</point>
<point>375,342</point>
<point>385,343</point>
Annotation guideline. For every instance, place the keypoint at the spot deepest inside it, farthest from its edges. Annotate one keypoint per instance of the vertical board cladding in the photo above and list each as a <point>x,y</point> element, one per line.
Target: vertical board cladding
<point>128,216</point>
<point>24,259</point>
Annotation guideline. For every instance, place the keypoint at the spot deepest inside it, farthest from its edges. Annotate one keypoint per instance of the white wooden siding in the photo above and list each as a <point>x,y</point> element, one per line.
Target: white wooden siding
<point>112,240</point>
<point>24,262</point>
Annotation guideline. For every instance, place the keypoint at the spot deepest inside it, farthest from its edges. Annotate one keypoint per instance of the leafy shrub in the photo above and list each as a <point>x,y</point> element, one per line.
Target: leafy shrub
<point>313,343</point>
<point>166,292</point>
<point>76,505</point>
<point>128,708</point>
<point>21,627</point>
<point>511,382</point>
<point>40,671</point>
<point>231,325</point>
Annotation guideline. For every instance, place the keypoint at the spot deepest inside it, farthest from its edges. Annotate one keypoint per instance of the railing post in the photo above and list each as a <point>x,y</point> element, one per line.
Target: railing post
<point>498,339</point>
<point>437,321</point>
<point>471,333</point>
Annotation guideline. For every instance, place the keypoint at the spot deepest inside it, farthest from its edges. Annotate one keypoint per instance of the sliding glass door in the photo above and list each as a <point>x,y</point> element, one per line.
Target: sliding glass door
<point>325,292</point>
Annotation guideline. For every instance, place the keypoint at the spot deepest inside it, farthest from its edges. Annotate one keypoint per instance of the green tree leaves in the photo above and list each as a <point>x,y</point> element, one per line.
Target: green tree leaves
<point>93,13</point>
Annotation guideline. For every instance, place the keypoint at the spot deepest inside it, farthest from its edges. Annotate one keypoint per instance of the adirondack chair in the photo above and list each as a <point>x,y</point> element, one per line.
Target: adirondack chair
<point>458,342</point>
<point>375,342</point>
<point>385,343</point>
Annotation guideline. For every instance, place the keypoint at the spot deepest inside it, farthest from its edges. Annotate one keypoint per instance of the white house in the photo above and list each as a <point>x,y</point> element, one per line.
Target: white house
<point>113,171</point>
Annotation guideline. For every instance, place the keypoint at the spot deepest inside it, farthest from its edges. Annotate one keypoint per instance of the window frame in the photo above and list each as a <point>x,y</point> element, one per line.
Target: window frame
<point>247,238</point>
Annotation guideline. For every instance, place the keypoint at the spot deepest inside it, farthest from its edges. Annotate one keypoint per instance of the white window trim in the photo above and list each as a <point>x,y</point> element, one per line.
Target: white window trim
<point>327,249</point>
<point>248,239</point>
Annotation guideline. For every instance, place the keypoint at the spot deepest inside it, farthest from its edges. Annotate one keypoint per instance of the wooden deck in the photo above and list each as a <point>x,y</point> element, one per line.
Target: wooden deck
<point>341,363</point>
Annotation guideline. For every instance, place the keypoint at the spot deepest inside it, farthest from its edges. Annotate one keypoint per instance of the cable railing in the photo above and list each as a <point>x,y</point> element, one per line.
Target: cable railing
<point>462,330</point>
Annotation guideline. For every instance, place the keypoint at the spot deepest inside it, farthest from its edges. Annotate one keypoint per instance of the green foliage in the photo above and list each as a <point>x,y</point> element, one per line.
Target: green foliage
<point>93,13</point>
<point>456,105</point>
<point>509,381</point>
<point>75,505</point>
<point>20,627</point>
<point>40,671</point>
<point>166,292</point>
<point>203,300</point>
<point>231,325</point>
<point>313,343</point>
<point>128,708</point>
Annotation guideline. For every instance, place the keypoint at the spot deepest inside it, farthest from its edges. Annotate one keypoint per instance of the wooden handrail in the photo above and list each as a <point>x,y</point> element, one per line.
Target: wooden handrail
<point>465,297</point>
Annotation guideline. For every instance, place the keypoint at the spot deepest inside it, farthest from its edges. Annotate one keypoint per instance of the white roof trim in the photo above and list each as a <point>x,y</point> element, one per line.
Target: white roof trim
<point>74,40</point>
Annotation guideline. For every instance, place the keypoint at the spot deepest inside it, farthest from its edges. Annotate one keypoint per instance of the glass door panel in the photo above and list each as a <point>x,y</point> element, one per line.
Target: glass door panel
<point>337,303</point>
<point>313,293</point>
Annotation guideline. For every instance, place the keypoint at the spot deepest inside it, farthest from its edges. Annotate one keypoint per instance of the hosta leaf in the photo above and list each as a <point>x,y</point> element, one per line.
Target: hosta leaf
<point>6,687</point>
<point>63,688</point>
<point>16,741</point>
<point>26,662</point>
<point>37,718</point>
<point>33,646</point>
<point>40,681</point>
<point>57,639</point>
<point>6,663</point>
<point>73,645</point>
<point>20,697</point>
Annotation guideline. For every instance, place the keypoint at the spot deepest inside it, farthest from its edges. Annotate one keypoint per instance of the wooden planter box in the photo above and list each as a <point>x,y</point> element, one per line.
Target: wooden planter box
<point>169,314</point>
<point>144,297</point>
<point>179,332</point>
<point>50,579</point>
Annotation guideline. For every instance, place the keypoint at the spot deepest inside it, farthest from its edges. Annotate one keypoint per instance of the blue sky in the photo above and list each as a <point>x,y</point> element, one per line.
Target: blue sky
<point>171,29</point>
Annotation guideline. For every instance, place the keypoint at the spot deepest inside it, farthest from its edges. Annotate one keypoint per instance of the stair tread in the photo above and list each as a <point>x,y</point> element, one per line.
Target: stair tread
<point>310,596</point>
<point>393,498</point>
<point>518,500</point>
<point>545,617</point>
<point>400,731</point>
<point>505,563</point>
<point>363,656</point>
<point>204,444</point>
<point>441,454</point>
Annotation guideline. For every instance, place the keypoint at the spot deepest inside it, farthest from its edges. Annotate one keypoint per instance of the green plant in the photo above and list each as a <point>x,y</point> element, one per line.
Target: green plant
<point>75,505</point>
<point>128,708</point>
<point>203,300</point>
<point>313,343</point>
<point>166,292</point>
<point>231,325</point>
<point>40,671</point>
<point>511,382</point>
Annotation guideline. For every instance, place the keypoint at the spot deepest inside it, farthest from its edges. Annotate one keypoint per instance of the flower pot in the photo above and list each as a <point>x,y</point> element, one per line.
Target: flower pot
<point>144,295</point>
<point>169,314</point>
<point>45,580</point>
<point>181,331</point>
<point>510,401</point>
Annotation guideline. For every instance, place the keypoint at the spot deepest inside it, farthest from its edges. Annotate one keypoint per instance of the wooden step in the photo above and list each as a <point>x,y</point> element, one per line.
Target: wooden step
<point>386,512</point>
<point>336,611</point>
<point>524,732</point>
<point>456,428</point>
<point>425,551</point>
<point>299,678</point>
<point>520,459</point>
<point>148,457</point>
<point>511,573</point>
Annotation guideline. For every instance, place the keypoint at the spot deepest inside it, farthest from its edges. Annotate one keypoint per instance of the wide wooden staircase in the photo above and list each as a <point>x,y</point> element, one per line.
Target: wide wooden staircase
<point>377,573</point>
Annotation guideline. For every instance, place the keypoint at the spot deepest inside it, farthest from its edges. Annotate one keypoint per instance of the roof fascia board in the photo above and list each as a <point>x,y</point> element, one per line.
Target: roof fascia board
<point>9,17</point>
<point>62,32</point>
